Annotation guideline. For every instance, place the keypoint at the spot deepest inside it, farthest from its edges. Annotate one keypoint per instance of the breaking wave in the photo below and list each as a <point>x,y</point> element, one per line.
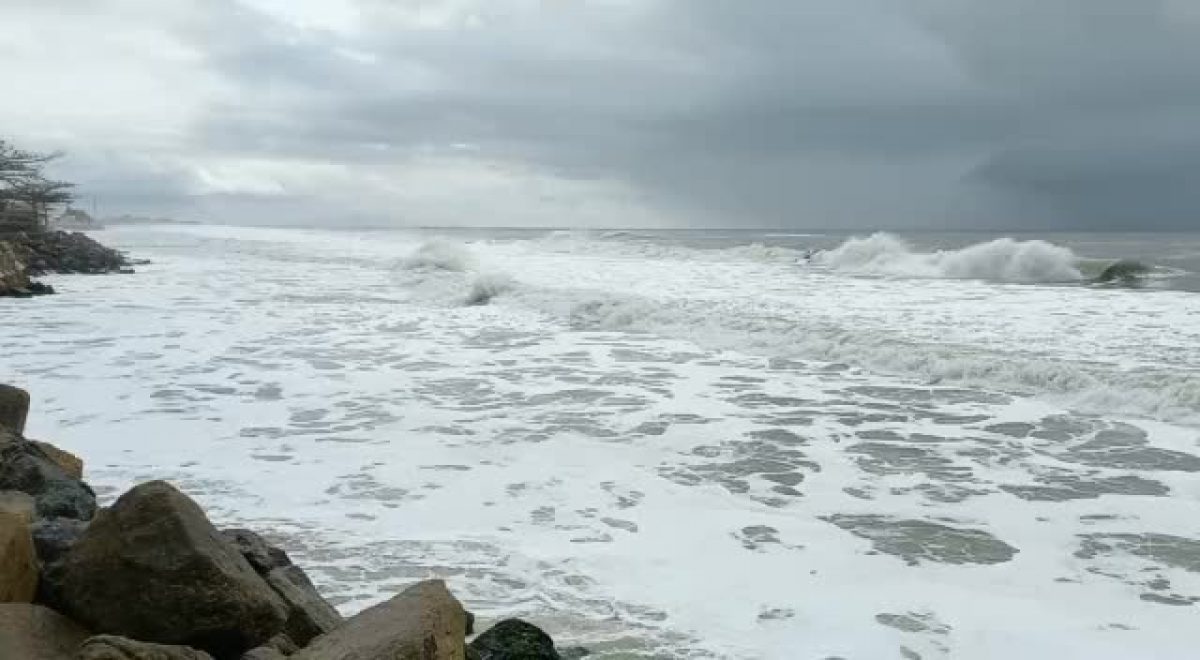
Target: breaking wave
<point>448,273</point>
<point>1001,260</point>
<point>439,254</point>
<point>1089,387</point>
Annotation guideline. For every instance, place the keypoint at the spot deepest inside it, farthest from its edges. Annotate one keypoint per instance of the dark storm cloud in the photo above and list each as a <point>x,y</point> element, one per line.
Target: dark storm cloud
<point>817,113</point>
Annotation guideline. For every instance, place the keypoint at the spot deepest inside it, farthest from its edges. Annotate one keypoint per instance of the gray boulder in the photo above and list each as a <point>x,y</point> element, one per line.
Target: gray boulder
<point>309,615</point>
<point>424,622</point>
<point>26,467</point>
<point>110,647</point>
<point>152,567</point>
<point>33,632</point>
<point>14,408</point>
<point>514,639</point>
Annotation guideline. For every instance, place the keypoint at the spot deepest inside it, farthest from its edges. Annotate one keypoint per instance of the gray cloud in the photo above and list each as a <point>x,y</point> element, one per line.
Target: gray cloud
<point>807,113</point>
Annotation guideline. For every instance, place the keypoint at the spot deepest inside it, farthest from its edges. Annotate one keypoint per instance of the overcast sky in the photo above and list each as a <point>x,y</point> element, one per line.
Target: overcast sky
<point>743,113</point>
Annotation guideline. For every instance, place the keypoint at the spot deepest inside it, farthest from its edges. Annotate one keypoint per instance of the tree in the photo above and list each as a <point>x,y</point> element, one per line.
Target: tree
<point>22,180</point>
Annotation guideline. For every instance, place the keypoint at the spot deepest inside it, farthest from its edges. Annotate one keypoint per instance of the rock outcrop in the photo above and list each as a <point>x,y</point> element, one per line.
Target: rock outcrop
<point>111,647</point>
<point>424,622</point>
<point>66,252</point>
<point>514,639</point>
<point>14,408</point>
<point>33,632</point>
<point>309,615</point>
<point>25,467</point>
<point>152,567</point>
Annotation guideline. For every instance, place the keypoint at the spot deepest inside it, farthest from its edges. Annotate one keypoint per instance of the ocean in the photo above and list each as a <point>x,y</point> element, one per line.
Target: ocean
<point>671,444</point>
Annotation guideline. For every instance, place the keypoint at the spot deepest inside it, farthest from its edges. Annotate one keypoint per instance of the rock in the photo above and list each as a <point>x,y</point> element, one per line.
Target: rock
<point>18,560</point>
<point>14,408</point>
<point>70,463</point>
<point>13,274</point>
<point>261,555</point>
<point>52,539</point>
<point>111,647</point>
<point>309,615</point>
<point>424,622</point>
<point>16,502</point>
<point>514,639</point>
<point>152,567</point>
<point>470,618</point>
<point>33,632</point>
<point>65,252</point>
<point>25,467</point>
<point>283,644</point>
<point>263,653</point>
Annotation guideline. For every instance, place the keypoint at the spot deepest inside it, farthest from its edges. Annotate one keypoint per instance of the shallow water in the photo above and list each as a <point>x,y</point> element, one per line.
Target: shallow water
<point>659,445</point>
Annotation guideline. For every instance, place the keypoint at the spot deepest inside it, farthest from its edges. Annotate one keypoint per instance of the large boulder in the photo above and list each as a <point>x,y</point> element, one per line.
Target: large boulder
<point>26,467</point>
<point>152,567</point>
<point>14,408</point>
<point>424,622</point>
<point>309,615</point>
<point>33,632</point>
<point>514,639</point>
<point>18,560</point>
<point>111,647</point>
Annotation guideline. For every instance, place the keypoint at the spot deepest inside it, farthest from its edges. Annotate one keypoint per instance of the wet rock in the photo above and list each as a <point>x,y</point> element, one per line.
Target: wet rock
<point>14,408</point>
<point>110,647</point>
<point>33,632</point>
<point>27,468</point>
<point>71,464</point>
<point>424,622</point>
<point>152,567</point>
<point>18,560</point>
<point>263,653</point>
<point>309,615</point>
<point>514,639</point>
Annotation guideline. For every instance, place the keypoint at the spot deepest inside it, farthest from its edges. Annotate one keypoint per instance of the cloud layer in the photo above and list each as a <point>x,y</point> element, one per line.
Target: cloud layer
<point>787,113</point>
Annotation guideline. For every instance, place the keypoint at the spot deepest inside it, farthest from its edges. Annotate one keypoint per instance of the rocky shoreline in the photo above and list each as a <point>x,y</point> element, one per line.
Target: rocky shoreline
<point>151,578</point>
<point>29,254</point>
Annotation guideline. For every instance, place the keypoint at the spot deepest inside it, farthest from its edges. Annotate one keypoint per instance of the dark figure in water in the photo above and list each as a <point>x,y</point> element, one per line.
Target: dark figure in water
<point>1124,271</point>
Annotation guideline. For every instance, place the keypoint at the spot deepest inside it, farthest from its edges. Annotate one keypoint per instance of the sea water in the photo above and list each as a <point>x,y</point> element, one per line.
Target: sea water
<point>668,444</point>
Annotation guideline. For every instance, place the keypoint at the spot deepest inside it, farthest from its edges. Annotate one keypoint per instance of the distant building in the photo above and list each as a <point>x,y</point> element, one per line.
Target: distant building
<point>75,219</point>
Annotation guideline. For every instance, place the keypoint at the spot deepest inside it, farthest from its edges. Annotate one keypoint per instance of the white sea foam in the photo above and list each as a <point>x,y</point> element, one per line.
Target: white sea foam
<point>548,453</point>
<point>1000,260</point>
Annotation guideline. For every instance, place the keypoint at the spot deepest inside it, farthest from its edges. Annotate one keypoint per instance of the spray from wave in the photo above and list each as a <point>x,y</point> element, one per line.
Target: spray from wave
<point>446,272</point>
<point>1002,260</point>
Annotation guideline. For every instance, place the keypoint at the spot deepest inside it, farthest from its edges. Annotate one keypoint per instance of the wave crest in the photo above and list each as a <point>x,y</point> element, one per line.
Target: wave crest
<point>1000,260</point>
<point>439,254</point>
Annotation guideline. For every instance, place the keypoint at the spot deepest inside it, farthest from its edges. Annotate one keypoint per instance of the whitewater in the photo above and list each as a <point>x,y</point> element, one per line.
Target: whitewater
<point>668,444</point>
